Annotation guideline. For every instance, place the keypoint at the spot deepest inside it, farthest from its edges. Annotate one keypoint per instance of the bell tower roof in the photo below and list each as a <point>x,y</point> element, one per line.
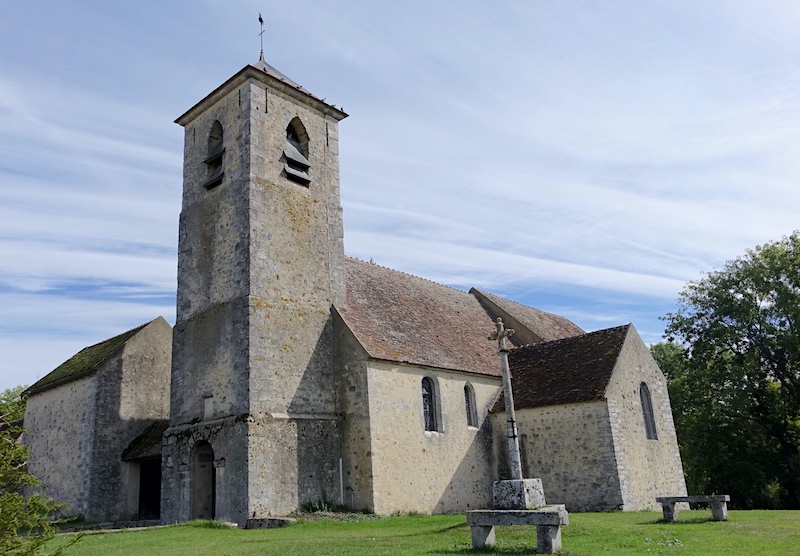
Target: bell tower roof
<point>263,72</point>
<point>271,71</point>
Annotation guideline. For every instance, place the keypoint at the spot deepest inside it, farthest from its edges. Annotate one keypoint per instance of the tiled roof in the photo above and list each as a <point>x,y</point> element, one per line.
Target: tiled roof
<point>569,370</point>
<point>84,362</point>
<point>280,76</point>
<point>147,444</point>
<point>543,326</point>
<point>399,317</point>
<point>262,71</point>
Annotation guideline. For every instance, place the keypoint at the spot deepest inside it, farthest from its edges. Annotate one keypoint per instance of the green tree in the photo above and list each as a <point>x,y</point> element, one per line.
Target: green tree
<point>735,377</point>
<point>720,446</point>
<point>12,404</point>
<point>24,528</point>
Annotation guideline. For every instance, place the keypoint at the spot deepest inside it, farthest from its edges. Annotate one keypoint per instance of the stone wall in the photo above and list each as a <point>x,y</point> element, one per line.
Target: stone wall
<point>60,425</point>
<point>296,275</point>
<point>570,447</point>
<point>210,348</point>
<point>210,398</point>
<point>228,439</point>
<point>647,468</point>
<point>353,398</point>
<point>436,472</point>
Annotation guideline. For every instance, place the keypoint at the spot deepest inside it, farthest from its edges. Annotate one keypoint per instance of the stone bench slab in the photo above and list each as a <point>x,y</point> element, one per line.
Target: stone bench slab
<point>548,521</point>
<point>548,515</point>
<point>694,499</point>
<point>719,505</point>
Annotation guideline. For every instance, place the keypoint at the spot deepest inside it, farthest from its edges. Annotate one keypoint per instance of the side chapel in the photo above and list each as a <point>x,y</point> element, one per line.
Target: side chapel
<point>296,375</point>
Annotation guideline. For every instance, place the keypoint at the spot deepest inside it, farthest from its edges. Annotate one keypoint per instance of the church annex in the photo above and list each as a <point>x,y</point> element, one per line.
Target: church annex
<point>299,375</point>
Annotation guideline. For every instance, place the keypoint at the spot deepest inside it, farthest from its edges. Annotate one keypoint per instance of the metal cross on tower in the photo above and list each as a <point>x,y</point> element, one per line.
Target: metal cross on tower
<point>513,440</point>
<point>261,36</point>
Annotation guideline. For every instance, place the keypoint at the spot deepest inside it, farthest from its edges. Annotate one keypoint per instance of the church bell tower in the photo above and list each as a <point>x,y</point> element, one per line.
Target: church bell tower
<point>253,427</point>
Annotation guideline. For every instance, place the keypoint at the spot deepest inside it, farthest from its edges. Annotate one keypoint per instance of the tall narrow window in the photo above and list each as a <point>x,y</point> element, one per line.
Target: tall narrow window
<point>469,405</point>
<point>647,412</point>
<point>213,161</point>
<point>296,153</point>
<point>429,405</point>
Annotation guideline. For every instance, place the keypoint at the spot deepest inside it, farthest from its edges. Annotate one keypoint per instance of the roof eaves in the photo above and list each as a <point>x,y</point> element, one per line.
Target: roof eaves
<point>86,362</point>
<point>431,367</point>
<point>283,84</point>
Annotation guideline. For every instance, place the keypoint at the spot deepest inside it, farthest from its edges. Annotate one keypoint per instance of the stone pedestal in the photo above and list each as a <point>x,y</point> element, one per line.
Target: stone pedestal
<point>518,494</point>
<point>548,539</point>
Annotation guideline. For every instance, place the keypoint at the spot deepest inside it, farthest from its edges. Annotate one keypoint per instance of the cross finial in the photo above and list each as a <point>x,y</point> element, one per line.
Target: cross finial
<point>261,36</point>
<point>500,335</point>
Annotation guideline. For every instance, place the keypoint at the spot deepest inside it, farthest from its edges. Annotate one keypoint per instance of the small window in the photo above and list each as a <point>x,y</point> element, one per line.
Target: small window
<point>208,407</point>
<point>429,403</point>
<point>469,405</point>
<point>647,412</point>
<point>213,160</point>
<point>296,153</point>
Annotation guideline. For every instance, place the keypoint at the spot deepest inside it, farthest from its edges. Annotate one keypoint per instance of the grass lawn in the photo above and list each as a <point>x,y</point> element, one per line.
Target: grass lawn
<point>746,532</point>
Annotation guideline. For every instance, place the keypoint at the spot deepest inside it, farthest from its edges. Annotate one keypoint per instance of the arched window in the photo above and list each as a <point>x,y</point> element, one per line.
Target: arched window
<point>647,412</point>
<point>429,405</point>
<point>296,153</point>
<point>213,160</point>
<point>469,405</point>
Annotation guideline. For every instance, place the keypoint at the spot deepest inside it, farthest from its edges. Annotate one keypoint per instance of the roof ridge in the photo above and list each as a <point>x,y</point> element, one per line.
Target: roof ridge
<point>518,303</point>
<point>573,338</point>
<point>407,274</point>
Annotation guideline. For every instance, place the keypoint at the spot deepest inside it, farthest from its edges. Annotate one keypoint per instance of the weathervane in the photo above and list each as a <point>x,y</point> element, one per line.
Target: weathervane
<point>261,36</point>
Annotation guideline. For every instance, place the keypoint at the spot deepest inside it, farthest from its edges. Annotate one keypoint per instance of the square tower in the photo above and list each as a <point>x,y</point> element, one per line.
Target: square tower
<point>253,421</point>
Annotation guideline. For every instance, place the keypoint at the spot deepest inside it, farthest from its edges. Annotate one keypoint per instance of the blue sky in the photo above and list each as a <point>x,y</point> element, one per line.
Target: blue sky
<point>585,158</point>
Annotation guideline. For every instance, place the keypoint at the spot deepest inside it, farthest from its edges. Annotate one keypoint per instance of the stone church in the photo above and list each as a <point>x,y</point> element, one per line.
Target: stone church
<point>295,375</point>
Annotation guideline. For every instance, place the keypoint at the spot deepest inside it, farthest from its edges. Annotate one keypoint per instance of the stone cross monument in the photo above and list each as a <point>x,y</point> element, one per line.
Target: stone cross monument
<point>513,439</point>
<point>516,493</point>
<point>517,501</point>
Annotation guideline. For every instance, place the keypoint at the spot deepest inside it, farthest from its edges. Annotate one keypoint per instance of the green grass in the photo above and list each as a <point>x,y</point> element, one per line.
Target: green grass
<point>755,532</point>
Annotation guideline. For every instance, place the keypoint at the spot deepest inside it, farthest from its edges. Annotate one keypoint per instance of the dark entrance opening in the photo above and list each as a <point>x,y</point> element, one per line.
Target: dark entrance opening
<point>150,488</point>
<point>204,482</point>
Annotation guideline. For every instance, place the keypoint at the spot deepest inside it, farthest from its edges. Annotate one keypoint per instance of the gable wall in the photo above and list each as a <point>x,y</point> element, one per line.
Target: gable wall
<point>648,468</point>
<point>60,428</point>
<point>133,391</point>
<point>570,448</point>
<point>432,472</point>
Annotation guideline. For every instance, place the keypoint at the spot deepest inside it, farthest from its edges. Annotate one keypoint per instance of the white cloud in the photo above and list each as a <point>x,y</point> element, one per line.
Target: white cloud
<point>585,158</point>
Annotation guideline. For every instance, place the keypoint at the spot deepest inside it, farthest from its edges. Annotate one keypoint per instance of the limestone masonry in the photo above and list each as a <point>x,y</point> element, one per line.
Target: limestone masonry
<point>300,376</point>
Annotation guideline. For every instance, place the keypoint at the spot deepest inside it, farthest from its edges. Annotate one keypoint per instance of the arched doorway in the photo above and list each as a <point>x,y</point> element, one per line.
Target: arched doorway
<point>204,482</point>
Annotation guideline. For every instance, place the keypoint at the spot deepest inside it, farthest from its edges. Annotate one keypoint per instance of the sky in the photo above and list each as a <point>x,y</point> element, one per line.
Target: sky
<point>587,158</point>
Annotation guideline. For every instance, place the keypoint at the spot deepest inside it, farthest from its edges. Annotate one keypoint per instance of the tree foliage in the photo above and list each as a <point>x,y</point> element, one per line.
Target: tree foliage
<point>24,527</point>
<point>12,404</point>
<point>735,377</point>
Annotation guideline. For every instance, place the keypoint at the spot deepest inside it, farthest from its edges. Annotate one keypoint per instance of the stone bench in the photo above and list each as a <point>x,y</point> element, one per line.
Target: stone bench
<point>719,505</point>
<point>548,521</point>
